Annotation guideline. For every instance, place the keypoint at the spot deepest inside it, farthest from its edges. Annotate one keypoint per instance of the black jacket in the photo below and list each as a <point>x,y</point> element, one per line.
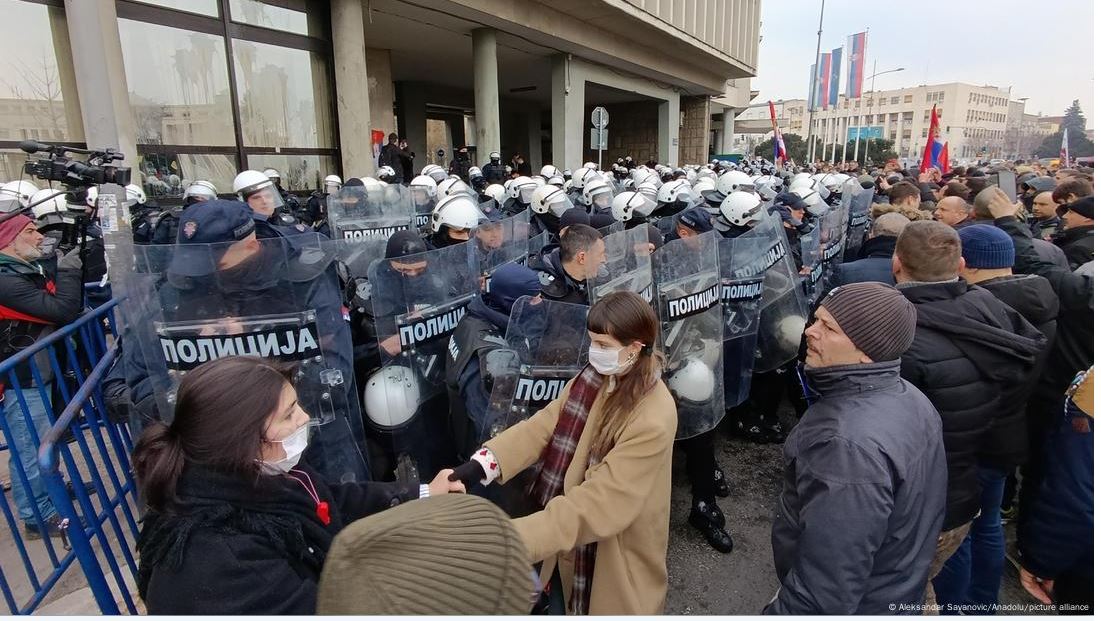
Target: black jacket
<point>233,547</point>
<point>557,285</point>
<point>968,347</point>
<point>1077,244</point>
<point>390,155</point>
<point>1073,349</point>
<point>874,264</point>
<point>29,291</point>
<point>1006,444</point>
<point>863,495</point>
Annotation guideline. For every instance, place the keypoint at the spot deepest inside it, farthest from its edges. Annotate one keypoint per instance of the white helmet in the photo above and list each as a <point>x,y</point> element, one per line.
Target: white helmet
<point>648,188</point>
<point>548,171</point>
<point>678,190</point>
<point>391,396</point>
<point>590,165</point>
<point>597,193</point>
<point>93,194</point>
<point>422,187</point>
<point>557,181</point>
<point>496,191</point>
<point>628,205</point>
<point>437,173</point>
<point>581,176</point>
<point>473,172</point>
<point>203,190</point>
<point>54,209</point>
<point>456,212</point>
<point>272,174</point>
<point>742,208</point>
<point>694,381</point>
<point>20,190</point>
<point>250,181</point>
<point>539,181</point>
<point>811,197</point>
<point>134,195</point>
<point>801,182</point>
<point>386,173</point>
<point>704,184</point>
<point>549,198</point>
<point>733,180</point>
<point>334,182</point>
<point>451,186</point>
<point>521,189</point>
<point>834,181</point>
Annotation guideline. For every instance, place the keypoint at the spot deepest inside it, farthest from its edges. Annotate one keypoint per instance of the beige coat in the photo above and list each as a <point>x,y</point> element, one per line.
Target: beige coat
<point>622,503</point>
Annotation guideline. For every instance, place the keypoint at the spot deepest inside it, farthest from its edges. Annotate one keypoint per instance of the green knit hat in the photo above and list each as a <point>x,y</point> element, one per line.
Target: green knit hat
<point>443,555</point>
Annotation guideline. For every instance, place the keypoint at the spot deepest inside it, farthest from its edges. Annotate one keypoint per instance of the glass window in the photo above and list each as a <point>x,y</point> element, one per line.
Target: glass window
<point>167,175</point>
<point>202,7</point>
<point>284,96</point>
<point>894,100</point>
<point>180,94</point>
<point>257,13</point>
<point>11,165</point>
<point>908,99</point>
<point>298,173</point>
<point>38,97</point>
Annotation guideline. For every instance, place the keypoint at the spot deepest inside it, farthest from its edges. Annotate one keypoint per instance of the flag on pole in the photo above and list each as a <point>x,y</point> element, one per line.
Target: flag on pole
<point>835,75</point>
<point>779,151</point>
<point>812,90</point>
<point>856,44</point>
<point>936,151</point>
<point>822,95</point>
<point>1064,151</point>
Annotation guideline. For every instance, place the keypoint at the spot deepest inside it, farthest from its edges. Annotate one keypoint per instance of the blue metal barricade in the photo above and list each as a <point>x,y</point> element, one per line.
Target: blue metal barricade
<point>80,446</point>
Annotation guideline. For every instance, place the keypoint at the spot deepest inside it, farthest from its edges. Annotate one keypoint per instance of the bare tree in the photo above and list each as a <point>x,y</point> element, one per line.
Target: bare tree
<point>40,84</point>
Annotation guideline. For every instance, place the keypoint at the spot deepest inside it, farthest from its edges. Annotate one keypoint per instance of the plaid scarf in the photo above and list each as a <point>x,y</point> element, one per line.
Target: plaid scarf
<point>550,475</point>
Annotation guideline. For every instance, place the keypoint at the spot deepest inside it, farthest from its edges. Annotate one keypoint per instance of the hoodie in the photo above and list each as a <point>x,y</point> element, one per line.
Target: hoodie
<point>968,347</point>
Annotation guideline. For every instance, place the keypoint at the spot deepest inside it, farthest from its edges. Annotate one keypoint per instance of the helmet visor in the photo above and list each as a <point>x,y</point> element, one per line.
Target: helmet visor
<point>263,200</point>
<point>526,193</point>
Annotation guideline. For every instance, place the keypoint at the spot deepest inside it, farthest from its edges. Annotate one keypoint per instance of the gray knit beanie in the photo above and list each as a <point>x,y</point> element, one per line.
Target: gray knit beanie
<point>444,555</point>
<point>877,318</point>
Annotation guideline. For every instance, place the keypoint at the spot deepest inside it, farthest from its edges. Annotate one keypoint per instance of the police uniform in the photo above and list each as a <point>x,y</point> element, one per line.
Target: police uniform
<point>556,284</point>
<point>469,376</point>
<point>494,172</point>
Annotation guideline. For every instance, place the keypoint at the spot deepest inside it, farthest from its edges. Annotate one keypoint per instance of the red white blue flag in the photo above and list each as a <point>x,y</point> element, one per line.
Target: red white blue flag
<point>936,150</point>
<point>1064,151</point>
<point>779,151</point>
<point>857,44</point>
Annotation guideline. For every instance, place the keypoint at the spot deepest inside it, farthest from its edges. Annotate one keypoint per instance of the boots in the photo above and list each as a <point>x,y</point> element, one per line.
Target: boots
<point>707,518</point>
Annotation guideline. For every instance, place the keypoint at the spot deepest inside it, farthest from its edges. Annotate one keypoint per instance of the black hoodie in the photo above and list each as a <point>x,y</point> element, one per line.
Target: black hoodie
<point>968,349</point>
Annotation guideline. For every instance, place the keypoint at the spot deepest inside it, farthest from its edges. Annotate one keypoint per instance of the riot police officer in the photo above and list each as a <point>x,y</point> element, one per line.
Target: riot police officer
<point>494,171</point>
<point>315,215</point>
<point>739,212</point>
<point>266,202</point>
<point>199,191</point>
<point>563,272</point>
<point>520,193</point>
<point>452,221</point>
<point>290,201</point>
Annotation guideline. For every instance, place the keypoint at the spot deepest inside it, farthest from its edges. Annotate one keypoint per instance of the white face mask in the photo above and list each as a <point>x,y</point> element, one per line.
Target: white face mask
<point>606,361</point>
<point>293,445</point>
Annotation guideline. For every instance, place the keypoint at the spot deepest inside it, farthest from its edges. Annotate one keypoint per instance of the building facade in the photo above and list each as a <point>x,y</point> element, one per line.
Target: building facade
<point>199,89</point>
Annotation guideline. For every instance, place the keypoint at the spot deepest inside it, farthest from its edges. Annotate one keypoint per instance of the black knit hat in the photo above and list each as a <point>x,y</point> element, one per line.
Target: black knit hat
<point>877,318</point>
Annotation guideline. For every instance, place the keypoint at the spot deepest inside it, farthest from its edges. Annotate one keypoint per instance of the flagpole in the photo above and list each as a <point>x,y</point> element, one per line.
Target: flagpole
<point>875,63</point>
<point>859,105</point>
<point>817,54</point>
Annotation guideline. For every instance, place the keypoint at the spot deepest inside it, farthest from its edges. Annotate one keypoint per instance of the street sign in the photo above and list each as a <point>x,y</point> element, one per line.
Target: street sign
<point>600,117</point>
<point>598,139</point>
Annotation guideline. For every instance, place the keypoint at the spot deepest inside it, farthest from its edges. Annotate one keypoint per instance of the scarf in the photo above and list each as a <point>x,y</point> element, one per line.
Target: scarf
<point>550,475</point>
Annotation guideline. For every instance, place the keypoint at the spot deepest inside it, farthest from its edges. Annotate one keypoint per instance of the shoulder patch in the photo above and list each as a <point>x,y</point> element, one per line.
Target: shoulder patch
<point>545,278</point>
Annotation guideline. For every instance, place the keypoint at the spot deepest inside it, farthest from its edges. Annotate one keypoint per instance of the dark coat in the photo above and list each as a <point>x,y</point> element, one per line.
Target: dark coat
<point>862,501</point>
<point>232,547</point>
<point>874,264</point>
<point>968,347</point>
<point>33,303</point>
<point>1006,444</point>
<point>556,283</point>
<point>1077,244</point>
<point>390,155</point>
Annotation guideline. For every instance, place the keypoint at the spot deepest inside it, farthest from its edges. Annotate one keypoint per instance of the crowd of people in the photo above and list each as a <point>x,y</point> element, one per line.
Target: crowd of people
<point>317,379</point>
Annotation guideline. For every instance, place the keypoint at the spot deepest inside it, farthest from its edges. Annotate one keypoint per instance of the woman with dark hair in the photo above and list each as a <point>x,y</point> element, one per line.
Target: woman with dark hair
<point>603,454</point>
<point>236,524</point>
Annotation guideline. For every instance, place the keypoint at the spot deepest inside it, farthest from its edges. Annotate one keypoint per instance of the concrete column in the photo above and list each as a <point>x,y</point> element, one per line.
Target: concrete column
<point>727,143</point>
<point>101,77</point>
<point>898,135</point>
<point>412,122</point>
<point>487,112</point>
<point>353,96</point>
<point>535,139</point>
<point>567,115</point>
<point>669,131</point>
<point>381,86</point>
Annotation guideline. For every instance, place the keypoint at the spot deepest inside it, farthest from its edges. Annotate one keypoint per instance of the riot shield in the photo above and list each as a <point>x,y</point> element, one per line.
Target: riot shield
<point>628,266</point>
<point>417,302</point>
<point>494,244</point>
<point>835,224</point>
<point>860,207</point>
<point>612,228</point>
<point>810,247</point>
<point>741,268</point>
<point>357,213</point>
<point>277,299</point>
<point>686,276</point>
<point>783,304</point>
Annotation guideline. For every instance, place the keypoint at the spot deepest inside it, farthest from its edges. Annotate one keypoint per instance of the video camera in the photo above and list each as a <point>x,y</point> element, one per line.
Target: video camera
<point>74,173</point>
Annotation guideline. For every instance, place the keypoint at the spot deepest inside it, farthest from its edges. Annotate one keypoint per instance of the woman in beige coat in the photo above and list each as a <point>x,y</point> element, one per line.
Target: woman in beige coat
<point>603,529</point>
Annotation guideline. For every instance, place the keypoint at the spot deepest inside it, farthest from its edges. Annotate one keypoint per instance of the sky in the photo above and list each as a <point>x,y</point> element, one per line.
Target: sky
<point>1043,49</point>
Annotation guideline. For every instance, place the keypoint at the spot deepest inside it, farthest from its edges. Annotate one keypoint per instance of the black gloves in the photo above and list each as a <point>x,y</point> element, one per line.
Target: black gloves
<point>469,473</point>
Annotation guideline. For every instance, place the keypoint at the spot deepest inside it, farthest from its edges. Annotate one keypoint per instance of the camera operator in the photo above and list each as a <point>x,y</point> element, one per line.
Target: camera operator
<point>34,302</point>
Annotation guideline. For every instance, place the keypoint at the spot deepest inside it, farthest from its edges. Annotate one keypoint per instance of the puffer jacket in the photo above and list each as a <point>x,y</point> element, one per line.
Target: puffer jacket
<point>1077,244</point>
<point>968,347</point>
<point>1006,444</point>
<point>863,495</point>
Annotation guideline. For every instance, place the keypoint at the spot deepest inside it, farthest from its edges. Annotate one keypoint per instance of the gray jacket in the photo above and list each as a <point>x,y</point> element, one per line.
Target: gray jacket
<point>863,496</point>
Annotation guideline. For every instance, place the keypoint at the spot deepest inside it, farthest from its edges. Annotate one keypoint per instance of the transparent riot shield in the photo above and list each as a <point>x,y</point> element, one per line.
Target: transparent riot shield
<point>357,213</point>
<point>489,208</point>
<point>810,247</point>
<point>628,267</point>
<point>417,302</point>
<point>689,288</point>
<point>277,299</point>
<point>860,207</point>
<point>494,244</point>
<point>612,228</point>
<point>783,304</point>
<point>835,225</point>
<point>546,345</point>
<point>741,263</point>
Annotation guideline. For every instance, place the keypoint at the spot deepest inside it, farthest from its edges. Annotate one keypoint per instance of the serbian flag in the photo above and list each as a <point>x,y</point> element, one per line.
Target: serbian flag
<point>856,45</point>
<point>1064,150</point>
<point>779,151</point>
<point>823,91</point>
<point>936,151</point>
<point>835,75</point>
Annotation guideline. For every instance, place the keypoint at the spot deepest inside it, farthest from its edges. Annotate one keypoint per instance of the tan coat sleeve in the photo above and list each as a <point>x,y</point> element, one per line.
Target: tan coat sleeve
<point>521,445</point>
<point>613,494</point>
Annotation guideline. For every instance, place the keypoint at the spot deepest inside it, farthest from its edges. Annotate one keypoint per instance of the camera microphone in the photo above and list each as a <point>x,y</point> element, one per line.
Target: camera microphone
<point>31,146</point>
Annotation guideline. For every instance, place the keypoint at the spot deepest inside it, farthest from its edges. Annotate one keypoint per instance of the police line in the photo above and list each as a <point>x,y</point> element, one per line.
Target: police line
<point>183,353</point>
<point>770,258</point>
<point>743,291</point>
<point>370,233</point>
<point>693,304</point>
<point>433,327</point>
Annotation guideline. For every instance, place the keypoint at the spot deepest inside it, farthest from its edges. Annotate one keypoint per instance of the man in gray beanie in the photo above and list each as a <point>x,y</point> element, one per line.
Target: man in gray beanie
<point>864,470</point>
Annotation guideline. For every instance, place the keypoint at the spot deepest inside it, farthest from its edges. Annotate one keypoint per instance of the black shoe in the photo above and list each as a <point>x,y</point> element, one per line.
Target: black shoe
<point>709,511</point>
<point>773,433</point>
<point>722,489</point>
<point>700,518</point>
<point>753,431</point>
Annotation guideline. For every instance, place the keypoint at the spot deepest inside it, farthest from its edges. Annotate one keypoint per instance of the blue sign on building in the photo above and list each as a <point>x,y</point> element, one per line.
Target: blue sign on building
<point>866,132</point>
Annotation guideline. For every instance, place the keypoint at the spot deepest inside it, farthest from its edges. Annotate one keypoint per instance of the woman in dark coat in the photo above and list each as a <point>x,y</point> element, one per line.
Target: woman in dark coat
<point>236,523</point>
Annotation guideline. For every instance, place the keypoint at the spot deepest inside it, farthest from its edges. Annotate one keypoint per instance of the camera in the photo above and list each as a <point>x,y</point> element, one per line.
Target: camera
<point>75,173</point>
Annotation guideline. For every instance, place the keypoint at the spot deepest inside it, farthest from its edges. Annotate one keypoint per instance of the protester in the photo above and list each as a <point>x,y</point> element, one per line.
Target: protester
<point>603,456</point>
<point>953,211</point>
<point>862,499</point>
<point>1071,190</point>
<point>34,302</point>
<point>390,154</point>
<point>874,264</point>
<point>981,213</point>
<point>1076,238</point>
<point>236,522</point>
<point>463,546</point>
<point>968,346</point>
<point>1045,220</point>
